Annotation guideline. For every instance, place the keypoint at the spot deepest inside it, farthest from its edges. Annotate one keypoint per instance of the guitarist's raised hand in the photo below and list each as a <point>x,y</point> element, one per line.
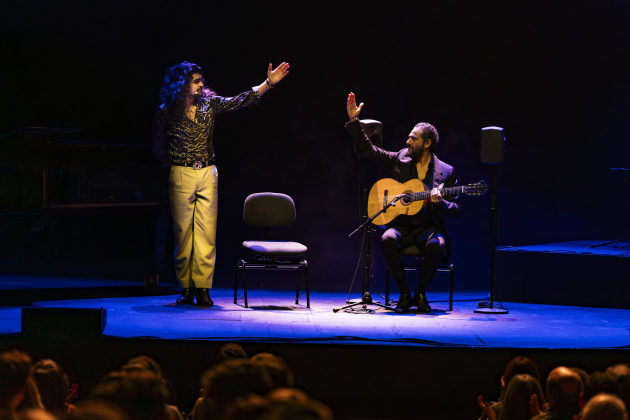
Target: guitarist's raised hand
<point>351,107</point>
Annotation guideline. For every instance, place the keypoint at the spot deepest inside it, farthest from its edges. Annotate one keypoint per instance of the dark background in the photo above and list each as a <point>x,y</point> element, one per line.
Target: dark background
<point>553,74</point>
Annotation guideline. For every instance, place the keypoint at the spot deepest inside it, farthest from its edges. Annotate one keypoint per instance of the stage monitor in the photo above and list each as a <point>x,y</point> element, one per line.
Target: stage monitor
<point>492,145</point>
<point>68,322</point>
<point>374,131</point>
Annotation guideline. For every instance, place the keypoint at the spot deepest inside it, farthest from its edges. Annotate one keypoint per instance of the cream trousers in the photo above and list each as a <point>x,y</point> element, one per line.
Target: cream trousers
<point>194,195</point>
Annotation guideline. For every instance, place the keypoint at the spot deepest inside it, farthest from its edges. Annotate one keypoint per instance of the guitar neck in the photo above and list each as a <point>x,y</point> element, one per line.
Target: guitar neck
<point>446,192</point>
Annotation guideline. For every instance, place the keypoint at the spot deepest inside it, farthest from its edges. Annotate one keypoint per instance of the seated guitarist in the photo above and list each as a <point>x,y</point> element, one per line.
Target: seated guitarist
<point>427,229</point>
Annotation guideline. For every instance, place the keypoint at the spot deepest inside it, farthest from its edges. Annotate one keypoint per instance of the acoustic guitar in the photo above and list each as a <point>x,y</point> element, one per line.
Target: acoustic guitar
<point>413,193</point>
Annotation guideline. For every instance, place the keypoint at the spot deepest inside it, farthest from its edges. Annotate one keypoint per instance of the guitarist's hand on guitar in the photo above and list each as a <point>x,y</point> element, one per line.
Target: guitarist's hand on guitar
<point>351,107</point>
<point>436,196</point>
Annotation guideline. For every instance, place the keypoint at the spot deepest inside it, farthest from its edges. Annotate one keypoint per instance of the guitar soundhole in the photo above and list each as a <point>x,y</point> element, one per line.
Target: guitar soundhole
<point>406,202</point>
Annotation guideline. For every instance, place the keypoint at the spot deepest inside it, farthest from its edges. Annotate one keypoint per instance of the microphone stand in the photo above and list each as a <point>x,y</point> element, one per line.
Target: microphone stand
<point>493,245</point>
<point>366,299</point>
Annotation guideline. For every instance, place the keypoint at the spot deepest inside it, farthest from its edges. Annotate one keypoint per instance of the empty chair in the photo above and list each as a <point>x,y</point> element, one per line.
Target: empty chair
<point>271,210</point>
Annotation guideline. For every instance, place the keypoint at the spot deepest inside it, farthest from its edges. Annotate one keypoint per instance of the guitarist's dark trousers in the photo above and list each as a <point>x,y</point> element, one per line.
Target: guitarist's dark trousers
<point>431,243</point>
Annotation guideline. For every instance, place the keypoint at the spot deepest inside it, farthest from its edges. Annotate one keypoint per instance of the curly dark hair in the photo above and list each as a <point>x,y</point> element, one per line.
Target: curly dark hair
<point>175,88</point>
<point>428,132</point>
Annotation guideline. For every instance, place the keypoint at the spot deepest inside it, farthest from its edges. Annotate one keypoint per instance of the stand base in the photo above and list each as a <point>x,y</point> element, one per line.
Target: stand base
<point>365,301</point>
<point>491,311</point>
<point>363,310</point>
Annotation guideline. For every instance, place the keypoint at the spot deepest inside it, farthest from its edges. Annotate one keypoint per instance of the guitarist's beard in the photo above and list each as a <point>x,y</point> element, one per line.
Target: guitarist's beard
<point>416,152</point>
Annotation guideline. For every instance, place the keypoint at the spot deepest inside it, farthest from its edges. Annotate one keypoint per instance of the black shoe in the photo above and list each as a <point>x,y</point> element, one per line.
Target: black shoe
<point>188,296</point>
<point>420,300</point>
<point>404,302</point>
<point>203,298</point>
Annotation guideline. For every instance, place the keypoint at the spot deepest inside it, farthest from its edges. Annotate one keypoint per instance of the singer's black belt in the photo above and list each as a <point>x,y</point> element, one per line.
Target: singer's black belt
<point>194,165</point>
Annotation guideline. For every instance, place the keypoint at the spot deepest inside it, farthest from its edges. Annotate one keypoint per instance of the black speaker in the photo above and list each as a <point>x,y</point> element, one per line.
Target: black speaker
<point>69,322</point>
<point>492,145</point>
<point>374,131</point>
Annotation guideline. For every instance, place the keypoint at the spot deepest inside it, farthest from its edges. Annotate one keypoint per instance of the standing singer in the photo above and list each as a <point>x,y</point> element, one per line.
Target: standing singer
<point>183,130</point>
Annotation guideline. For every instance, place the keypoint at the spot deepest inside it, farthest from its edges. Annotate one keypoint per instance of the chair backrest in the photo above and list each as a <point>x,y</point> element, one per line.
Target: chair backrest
<point>269,209</point>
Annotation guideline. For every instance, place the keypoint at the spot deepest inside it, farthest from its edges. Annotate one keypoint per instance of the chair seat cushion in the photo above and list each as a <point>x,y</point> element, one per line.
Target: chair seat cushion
<point>276,249</point>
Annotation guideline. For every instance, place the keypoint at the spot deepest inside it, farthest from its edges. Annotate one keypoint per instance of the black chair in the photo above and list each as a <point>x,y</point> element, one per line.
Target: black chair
<point>413,251</point>
<point>271,209</point>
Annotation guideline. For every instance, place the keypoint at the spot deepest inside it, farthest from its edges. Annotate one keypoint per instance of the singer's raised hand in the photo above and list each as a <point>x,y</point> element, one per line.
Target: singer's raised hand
<point>278,74</point>
<point>351,107</point>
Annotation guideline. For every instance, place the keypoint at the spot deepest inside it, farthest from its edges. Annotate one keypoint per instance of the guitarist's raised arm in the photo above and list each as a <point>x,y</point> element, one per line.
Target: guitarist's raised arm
<point>364,145</point>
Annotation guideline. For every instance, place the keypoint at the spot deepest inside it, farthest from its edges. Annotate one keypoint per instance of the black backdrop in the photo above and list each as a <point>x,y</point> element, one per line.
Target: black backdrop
<point>553,74</point>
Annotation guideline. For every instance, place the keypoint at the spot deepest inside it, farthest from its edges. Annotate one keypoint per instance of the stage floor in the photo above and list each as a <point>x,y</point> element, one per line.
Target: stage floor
<point>137,312</point>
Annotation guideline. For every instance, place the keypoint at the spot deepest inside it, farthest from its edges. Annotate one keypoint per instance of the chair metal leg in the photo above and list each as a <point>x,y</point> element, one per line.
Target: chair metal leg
<point>245,284</point>
<point>450,296</point>
<point>387,286</point>
<point>297,288</point>
<point>308,296</point>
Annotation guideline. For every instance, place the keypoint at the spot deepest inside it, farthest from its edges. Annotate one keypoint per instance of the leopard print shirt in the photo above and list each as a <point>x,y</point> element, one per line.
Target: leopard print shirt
<point>187,141</point>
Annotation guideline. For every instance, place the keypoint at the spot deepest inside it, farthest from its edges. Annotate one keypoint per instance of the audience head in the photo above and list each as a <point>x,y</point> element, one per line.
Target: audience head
<point>517,366</point>
<point>583,374</point>
<point>142,395</point>
<point>230,380</point>
<point>142,362</point>
<point>604,407</point>
<point>289,404</point>
<point>599,382</point>
<point>518,395</point>
<point>35,414</point>
<point>15,368</point>
<point>246,407</point>
<point>277,368</point>
<point>621,375</point>
<point>564,387</point>
<point>52,385</point>
<point>96,410</point>
<point>231,351</point>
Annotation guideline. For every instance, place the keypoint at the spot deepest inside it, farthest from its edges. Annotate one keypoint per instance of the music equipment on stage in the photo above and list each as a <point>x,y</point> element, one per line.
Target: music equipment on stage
<point>67,322</point>
<point>374,131</point>
<point>492,150</point>
<point>492,145</point>
<point>414,193</point>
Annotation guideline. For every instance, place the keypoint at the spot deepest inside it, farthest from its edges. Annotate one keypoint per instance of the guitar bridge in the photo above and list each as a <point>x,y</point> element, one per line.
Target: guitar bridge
<point>385,198</point>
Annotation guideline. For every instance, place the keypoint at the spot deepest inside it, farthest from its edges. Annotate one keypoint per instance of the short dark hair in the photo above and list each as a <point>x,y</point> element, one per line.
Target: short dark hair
<point>428,132</point>
<point>231,351</point>
<point>145,362</point>
<point>140,394</point>
<point>15,367</point>
<point>621,374</point>
<point>277,368</point>
<point>599,382</point>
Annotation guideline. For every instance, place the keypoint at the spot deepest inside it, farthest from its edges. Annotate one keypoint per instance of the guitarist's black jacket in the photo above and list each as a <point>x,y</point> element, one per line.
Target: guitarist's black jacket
<point>403,169</point>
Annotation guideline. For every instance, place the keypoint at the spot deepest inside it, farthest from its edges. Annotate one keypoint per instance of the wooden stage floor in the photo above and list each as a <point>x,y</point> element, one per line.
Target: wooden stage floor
<point>137,312</point>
